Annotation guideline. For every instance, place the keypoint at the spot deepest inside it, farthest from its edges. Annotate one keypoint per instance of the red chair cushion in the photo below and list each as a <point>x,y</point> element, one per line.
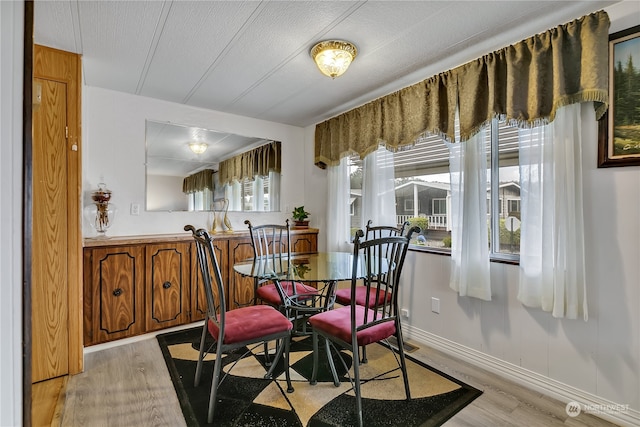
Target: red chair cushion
<point>269,293</point>
<point>248,323</point>
<point>343,296</point>
<point>337,323</point>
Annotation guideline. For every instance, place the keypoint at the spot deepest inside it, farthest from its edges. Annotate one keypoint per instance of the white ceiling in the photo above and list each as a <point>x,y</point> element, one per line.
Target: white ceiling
<point>252,57</point>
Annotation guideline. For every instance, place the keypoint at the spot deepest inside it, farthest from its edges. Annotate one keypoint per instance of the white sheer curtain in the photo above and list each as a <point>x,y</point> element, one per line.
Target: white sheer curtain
<point>552,263</point>
<point>469,231</point>
<point>257,188</point>
<point>233,193</point>
<point>338,220</point>
<point>274,191</point>
<point>378,189</point>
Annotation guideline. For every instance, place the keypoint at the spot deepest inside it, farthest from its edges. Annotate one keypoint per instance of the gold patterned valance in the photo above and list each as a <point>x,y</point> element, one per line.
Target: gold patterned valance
<point>199,181</point>
<point>524,83</point>
<point>257,162</point>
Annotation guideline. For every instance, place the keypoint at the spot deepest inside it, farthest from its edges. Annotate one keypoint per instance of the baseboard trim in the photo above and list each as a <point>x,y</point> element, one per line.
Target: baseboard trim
<point>532,380</point>
<point>123,341</point>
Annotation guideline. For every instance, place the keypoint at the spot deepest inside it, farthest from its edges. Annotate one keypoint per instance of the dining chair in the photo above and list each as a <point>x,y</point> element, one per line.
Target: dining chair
<point>357,325</point>
<point>273,241</point>
<point>235,328</point>
<point>343,296</point>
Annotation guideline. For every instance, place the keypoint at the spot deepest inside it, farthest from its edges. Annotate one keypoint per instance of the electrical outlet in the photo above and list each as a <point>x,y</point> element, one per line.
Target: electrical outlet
<point>135,209</point>
<point>405,313</point>
<point>435,305</point>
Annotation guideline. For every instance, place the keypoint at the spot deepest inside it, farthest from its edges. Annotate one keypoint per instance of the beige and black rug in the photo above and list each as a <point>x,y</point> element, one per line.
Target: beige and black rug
<point>247,399</point>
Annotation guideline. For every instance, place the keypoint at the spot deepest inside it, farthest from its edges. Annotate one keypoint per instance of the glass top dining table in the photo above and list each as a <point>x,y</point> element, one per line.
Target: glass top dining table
<point>316,267</point>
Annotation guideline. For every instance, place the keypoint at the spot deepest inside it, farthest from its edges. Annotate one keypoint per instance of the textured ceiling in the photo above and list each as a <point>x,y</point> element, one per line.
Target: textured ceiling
<point>252,57</point>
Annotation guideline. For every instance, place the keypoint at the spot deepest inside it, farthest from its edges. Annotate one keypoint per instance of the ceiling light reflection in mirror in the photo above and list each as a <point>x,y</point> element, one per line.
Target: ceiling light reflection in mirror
<point>176,151</point>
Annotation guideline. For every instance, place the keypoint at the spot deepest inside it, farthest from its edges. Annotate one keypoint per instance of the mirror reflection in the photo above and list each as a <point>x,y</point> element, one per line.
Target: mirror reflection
<point>194,169</point>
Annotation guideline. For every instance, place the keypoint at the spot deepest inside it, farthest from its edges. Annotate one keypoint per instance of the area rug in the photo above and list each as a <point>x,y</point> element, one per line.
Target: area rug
<point>245,398</point>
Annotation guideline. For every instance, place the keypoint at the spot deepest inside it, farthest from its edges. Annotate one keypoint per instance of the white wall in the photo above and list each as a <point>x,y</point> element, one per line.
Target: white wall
<point>11,68</point>
<point>114,153</point>
<point>594,362</point>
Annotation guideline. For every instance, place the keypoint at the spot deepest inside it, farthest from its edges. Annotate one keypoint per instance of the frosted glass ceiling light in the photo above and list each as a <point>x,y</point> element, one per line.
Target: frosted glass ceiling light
<point>198,147</point>
<point>333,57</point>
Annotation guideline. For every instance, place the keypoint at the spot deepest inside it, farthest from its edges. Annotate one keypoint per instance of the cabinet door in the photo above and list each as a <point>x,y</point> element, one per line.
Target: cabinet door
<point>304,243</point>
<point>241,289</point>
<point>117,293</point>
<point>167,285</point>
<point>198,297</point>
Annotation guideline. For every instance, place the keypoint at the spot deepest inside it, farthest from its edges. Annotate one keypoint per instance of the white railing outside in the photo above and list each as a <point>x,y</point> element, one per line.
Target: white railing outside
<point>438,222</point>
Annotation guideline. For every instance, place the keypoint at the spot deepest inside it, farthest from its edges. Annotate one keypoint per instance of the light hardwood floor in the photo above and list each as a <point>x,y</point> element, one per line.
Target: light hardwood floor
<point>129,385</point>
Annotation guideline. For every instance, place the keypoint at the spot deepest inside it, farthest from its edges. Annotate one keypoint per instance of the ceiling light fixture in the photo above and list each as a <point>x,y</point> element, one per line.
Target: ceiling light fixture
<point>198,147</point>
<point>333,57</point>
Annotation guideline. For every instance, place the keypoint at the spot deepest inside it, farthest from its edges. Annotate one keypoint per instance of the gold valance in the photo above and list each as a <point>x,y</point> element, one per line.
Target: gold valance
<point>524,83</point>
<point>257,162</point>
<point>199,181</point>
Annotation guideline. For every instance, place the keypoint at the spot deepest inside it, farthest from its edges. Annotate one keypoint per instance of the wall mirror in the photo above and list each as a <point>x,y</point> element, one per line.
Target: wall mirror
<point>194,169</point>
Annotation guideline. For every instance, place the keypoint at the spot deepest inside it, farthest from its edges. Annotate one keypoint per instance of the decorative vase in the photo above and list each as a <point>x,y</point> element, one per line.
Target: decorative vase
<point>215,223</point>
<point>220,219</point>
<point>102,213</point>
<point>226,221</point>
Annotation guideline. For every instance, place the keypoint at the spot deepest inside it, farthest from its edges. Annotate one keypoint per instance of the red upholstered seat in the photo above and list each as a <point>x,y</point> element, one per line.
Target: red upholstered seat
<point>269,293</point>
<point>249,323</point>
<point>337,323</point>
<point>343,296</point>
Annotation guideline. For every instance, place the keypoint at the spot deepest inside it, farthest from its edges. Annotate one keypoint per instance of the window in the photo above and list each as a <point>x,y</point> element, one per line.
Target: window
<point>422,179</point>
<point>200,200</point>
<point>505,184</point>
<point>439,207</point>
<point>408,204</point>
<point>255,195</point>
<point>513,206</point>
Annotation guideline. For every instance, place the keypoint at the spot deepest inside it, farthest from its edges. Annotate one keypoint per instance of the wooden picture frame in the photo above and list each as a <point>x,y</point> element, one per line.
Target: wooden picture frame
<point>619,128</point>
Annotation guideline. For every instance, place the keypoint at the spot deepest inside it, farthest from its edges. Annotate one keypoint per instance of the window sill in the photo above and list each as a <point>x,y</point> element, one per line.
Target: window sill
<point>447,252</point>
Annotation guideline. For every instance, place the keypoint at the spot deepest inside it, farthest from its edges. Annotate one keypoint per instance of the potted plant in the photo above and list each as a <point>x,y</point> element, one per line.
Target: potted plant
<point>300,217</point>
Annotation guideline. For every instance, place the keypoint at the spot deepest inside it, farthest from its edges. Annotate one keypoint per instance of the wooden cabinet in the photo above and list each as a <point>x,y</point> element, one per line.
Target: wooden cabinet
<point>198,297</point>
<point>304,243</point>
<point>168,272</point>
<point>240,288</point>
<point>114,293</point>
<point>139,284</point>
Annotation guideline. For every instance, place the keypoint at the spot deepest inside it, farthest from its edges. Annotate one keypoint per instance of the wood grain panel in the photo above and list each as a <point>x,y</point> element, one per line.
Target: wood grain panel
<point>167,270</point>
<point>50,338</point>
<point>64,67</point>
<point>198,296</point>
<point>241,289</point>
<point>118,285</point>
<point>304,243</point>
<point>47,398</point>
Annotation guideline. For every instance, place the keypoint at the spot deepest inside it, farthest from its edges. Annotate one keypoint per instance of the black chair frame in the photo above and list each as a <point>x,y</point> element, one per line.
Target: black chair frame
<point>390,251</point>
<point>217,312</point>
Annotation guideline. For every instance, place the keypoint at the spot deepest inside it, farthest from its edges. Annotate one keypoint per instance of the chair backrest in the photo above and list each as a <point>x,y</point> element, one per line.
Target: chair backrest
<point>378,231</point>
<point>383,263</point>
<point>211,277</point>
<point>270,240</point>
